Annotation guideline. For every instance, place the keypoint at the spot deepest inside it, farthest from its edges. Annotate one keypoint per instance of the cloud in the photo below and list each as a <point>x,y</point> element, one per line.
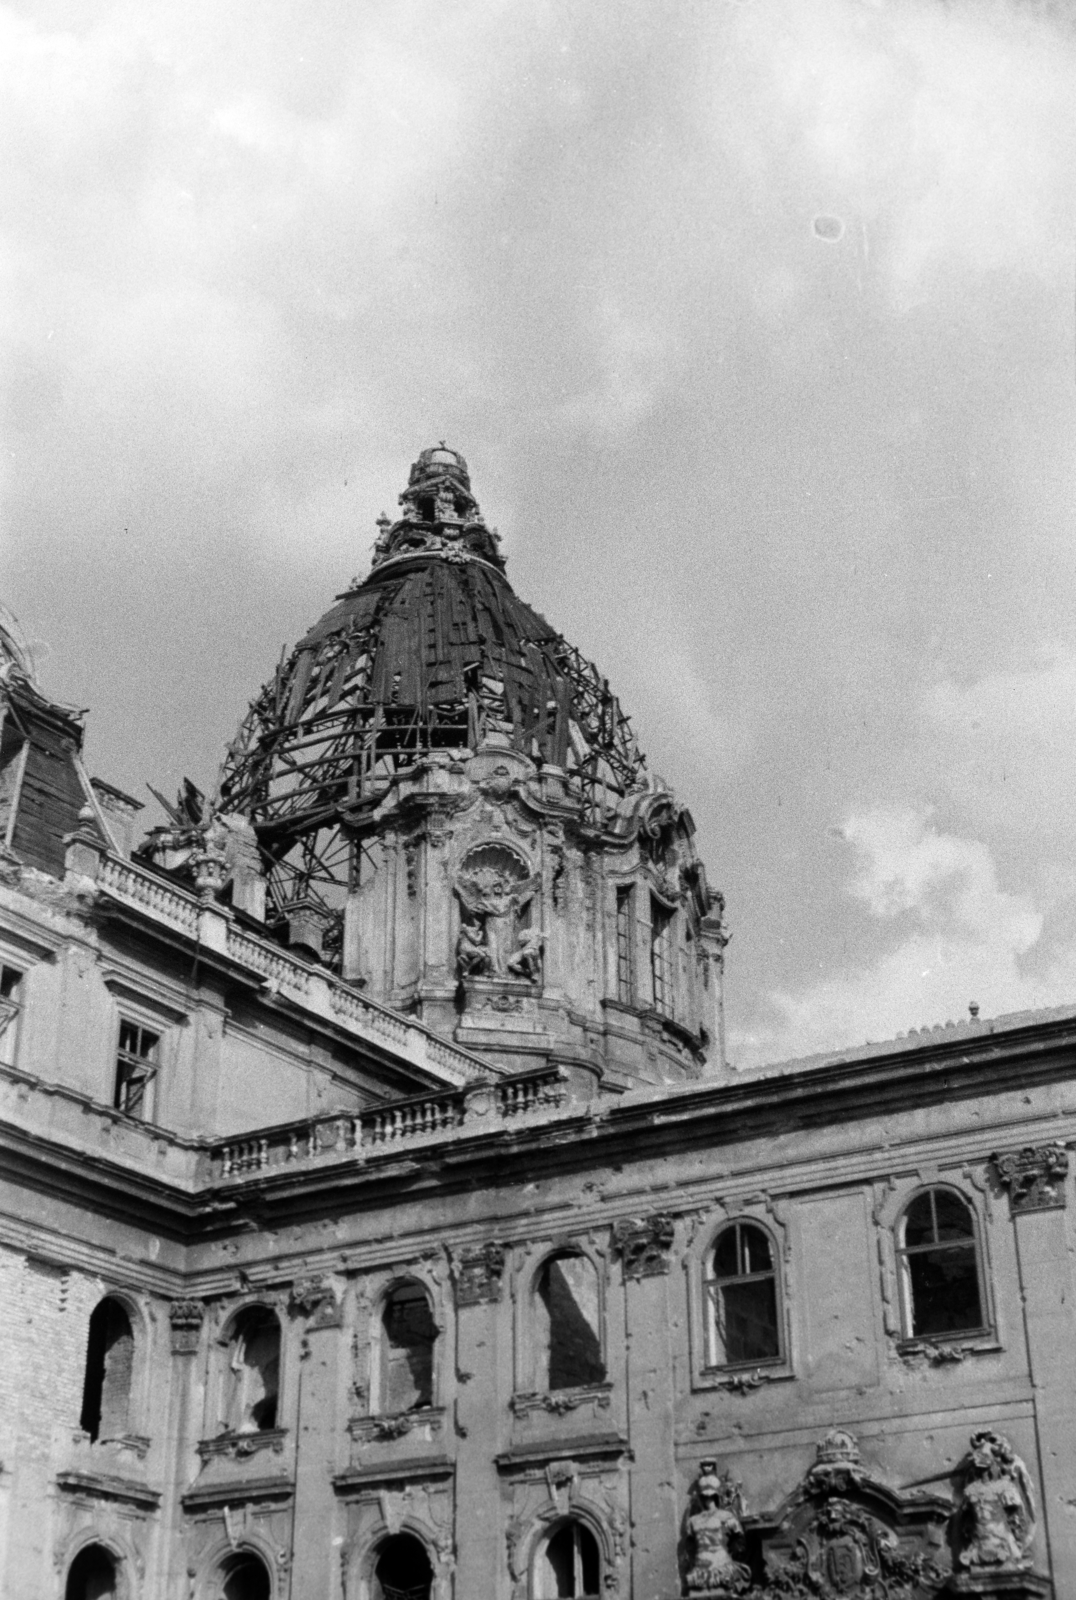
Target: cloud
<point>953,934</point>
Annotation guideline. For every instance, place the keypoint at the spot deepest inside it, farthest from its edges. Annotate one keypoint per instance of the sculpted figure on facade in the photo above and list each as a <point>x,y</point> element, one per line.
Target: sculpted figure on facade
<point>715,1535</point>
<point>995,1519</point>
<point>495,886</point>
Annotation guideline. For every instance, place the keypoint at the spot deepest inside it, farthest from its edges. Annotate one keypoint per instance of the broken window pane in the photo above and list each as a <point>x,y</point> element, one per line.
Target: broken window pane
<point>408,1336</point>
<point>940,1257</point>
<point>743,1297</point>
<point>136,1068</point>
<point>568,1323</point>
<point>625,946</point>
<point>10,1006</point>
<point>568,1565</point>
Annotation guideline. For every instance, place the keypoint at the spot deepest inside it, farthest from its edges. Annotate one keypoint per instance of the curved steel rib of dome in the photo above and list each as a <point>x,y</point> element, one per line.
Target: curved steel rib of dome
<point>433,651</point>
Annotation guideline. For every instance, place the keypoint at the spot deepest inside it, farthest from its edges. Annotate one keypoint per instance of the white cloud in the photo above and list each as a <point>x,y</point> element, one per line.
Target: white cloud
<point>954,935</point>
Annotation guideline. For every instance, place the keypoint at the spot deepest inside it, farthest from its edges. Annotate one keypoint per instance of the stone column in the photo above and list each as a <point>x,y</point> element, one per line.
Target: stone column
<point>1037,1180</point>
<point>481,1354</point>
<point>644,1244</point>
<point>315,1563</point>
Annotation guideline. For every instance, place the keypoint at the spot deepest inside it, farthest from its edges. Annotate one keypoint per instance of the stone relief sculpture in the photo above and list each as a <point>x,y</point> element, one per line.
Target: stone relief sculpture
<point>495,886</point>
<point>715,1535</point>
<point>995,1519</point>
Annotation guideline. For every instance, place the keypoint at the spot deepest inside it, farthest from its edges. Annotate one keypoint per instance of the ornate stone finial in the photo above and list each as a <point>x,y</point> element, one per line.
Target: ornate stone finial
<point>995,1517</point>
<point>837,1447</point>
<point>715,1535</point>
<point>185,1317</point>
<point>479,1273</point>
<point>644,1244</point>
<point>1034,1176</point>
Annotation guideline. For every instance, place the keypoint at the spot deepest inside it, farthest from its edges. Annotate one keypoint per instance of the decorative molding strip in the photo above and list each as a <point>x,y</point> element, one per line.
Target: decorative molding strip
<point>561,1401</point>
<point>211,1497</point>
<point>240,1445</point>
<point>1034,1176</point>
<point>397,1425</point>
<point>103,1486</point>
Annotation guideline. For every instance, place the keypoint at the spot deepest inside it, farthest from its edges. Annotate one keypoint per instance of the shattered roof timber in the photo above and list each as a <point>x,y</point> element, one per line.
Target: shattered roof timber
<point>432,652</point>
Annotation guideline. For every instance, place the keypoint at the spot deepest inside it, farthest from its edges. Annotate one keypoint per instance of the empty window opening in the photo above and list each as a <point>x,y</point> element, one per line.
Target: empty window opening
<point>106,1389</point>
<point>940,1264</point>
<point>743,1297</point>
<point>253,1378</point>
<point>92,1575</point>
<point>661,970</point>
<point>408,1333</point>
<point>568,1323</point>
<point>245,1578</point>
<point>10,1006</point>
<point>625,945</point>
<point>403,1570</point>
<point>568,1565</point>
<point>136,1068</point>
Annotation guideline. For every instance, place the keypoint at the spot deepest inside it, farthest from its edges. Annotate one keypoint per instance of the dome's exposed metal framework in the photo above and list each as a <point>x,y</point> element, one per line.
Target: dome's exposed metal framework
<point>433,651</point>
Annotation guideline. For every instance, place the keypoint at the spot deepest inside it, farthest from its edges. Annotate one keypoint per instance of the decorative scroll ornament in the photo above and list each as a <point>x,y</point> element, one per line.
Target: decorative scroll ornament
<point>843,1533</point>
<point>478,1275</point>
<point>495,885</point>
<point>715,1535</point>
<point>185,1317</point>
<point>644,1244</point>
<point>1034,1176</point>
<point>313,1298</point>
<point>995,1519</point>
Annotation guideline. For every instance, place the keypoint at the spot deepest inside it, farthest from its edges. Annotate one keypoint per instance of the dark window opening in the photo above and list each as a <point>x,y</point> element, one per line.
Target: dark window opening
<point>106,1389</point>
<point>661,970</point>
<point>743,1295</point>
<point>408,1337</point>
<point>941,1266</point>
<point>10,1006</point>
<point>403,1570</point>
<point>253,1372</point>
<point>625,945</point>
<point>246,1578</point>
<point>569,1329</point>
<point>569,1566</point>
<point>92,1575</point>
<point>136,1068</point>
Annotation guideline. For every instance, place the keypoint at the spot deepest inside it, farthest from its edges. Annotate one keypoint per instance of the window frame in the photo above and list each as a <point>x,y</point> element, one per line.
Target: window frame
<point>905,1296</point>
<point>625,934</point>
<point>715,1360</point>
<point>125,1059</point>
<point>577,1523</point>
<point>707,1373</point>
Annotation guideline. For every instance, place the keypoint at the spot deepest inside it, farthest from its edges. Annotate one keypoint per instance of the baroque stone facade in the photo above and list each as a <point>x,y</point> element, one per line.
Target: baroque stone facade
<point>379,1218</point>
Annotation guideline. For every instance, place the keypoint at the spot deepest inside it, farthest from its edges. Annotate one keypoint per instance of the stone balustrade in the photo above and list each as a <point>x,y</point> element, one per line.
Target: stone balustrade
<point>386,1130</point>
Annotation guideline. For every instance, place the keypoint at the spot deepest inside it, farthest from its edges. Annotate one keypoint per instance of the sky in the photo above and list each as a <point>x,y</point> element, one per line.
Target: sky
<point>755,322</point>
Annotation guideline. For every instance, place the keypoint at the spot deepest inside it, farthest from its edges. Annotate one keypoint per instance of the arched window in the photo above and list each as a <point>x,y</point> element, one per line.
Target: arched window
<point>252,1380</point>
<point>245,1578</point>
<point>744,1325</point>
<point>568,1565</point>
<point>939,1256</point>
<point>568,1323</point>
<point>92,1575</point>
<point>106,1387</point>
<point>408,1334</point>
<point>402,1570</point>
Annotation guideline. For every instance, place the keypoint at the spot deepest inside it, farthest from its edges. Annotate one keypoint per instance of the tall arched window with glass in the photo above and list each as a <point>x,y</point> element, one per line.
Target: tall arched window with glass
<point>743,1298</point>
<point>940,1267</point>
